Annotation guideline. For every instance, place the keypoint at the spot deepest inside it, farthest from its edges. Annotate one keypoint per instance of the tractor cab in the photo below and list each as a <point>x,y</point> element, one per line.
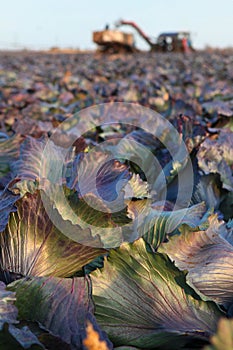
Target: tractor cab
<point>175,42</point>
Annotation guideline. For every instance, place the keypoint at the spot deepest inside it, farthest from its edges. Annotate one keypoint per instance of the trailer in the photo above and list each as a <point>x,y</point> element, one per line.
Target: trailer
<point>114,41</point>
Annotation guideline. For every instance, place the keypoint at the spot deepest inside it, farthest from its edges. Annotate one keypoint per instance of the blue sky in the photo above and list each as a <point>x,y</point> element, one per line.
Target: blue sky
<point>70,23</point>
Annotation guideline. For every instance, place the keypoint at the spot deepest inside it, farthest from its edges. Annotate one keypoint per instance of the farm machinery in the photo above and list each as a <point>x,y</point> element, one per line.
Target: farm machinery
<point>117,41</point>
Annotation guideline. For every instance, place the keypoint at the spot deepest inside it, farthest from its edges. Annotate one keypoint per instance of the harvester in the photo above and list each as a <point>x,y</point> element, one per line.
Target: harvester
<point>116,41</point>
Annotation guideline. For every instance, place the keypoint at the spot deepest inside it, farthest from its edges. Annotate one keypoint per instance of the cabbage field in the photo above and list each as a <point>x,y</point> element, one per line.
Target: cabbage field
<point>116,201</point>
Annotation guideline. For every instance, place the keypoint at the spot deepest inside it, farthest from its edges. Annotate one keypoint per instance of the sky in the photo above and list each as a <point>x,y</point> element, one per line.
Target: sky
<point>44,24</point>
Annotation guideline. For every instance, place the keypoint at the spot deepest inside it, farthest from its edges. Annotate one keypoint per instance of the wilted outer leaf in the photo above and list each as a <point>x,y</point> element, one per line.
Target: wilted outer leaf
<point>94,338</point>
<point>223,339</point>
<point>10,336</point>
<point>32,245</point>
<point>62,306</point>
<point>7,201</point>
<point>207,257</point>
<point>92,341</point>
<point>215,156</point>
<point>142,300</point>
